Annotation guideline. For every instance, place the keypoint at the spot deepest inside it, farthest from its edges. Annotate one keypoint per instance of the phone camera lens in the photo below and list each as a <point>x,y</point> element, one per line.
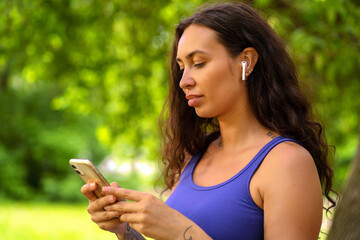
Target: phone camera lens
<point>73,166</point>
<point>78,172</point>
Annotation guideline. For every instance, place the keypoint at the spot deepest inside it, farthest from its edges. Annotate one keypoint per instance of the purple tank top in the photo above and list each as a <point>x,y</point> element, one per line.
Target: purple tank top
<point>226,210</point>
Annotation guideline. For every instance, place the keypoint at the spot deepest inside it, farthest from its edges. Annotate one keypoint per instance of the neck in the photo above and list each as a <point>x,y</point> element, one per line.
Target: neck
<point>240,128</point>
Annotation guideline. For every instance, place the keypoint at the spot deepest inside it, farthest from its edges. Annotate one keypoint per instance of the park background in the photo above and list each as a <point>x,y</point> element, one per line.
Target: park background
<point>88,79</point>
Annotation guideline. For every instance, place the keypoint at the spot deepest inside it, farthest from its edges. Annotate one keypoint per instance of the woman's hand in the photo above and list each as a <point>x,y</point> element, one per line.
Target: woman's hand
<point>106,220</point>
<point>150,216</point>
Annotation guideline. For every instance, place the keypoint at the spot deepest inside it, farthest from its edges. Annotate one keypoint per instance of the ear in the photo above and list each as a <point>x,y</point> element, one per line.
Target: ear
<point>250,56</point>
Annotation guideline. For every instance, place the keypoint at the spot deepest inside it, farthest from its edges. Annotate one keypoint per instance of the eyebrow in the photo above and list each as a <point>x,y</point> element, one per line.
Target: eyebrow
<point>190,55</point>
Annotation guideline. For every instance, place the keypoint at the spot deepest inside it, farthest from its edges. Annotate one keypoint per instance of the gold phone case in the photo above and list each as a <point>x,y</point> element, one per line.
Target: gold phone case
<point>89,173</point>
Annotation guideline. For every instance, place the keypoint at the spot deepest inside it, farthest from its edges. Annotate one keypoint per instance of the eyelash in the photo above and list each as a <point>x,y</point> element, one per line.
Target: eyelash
<point>199,65</point>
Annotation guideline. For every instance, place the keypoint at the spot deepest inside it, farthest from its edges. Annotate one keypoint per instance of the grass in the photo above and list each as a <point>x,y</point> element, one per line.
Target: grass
<point>48,221</point>
<point>55,222</point>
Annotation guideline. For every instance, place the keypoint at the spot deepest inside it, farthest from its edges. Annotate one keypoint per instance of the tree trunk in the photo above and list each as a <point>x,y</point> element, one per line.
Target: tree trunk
<point>346,221</point>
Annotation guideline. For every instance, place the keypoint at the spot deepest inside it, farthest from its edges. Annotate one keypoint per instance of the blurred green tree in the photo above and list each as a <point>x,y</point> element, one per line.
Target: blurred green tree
<point>79,79</point>
<point>323,37</point>
<point>88,78</point>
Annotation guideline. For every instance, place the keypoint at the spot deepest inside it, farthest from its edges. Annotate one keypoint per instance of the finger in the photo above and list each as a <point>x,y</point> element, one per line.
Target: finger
<point>109,225</point>
<point>125,193</point>
<point>106,200</point>
<point>130,218</point>
<point>100,203</point>
<point>104,216</point>
<point>123,207</point>
<point>87,191</point>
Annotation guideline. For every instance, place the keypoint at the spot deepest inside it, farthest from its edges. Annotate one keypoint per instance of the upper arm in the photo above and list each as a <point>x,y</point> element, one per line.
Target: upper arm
<point>292,194</point>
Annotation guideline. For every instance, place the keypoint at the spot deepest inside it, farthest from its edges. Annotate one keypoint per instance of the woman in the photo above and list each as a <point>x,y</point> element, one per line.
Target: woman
<point>243,157</point>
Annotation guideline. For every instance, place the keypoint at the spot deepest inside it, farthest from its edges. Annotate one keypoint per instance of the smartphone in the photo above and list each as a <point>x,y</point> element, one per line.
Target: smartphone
<point>89,173</point>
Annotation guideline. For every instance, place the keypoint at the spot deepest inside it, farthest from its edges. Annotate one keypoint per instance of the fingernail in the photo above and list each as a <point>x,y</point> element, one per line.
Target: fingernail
<point>92,185</point>
<point>106,189</point>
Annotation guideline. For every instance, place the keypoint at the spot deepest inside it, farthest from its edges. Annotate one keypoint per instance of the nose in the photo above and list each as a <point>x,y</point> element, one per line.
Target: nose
<point>186,81</point>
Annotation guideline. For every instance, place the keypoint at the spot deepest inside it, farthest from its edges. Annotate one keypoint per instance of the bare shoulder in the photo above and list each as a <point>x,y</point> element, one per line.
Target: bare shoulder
<point>290,155</point>
<point>291,192</point>
<point>288,163</point>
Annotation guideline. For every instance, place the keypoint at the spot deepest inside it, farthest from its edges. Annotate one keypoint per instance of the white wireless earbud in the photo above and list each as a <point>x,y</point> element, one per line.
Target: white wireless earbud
<point>243,66</point>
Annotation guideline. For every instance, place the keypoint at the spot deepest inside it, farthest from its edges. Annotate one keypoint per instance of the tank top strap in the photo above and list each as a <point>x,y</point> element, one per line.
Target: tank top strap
<point>260,156</point>
<point>248,170</point>
<point>187,172</point>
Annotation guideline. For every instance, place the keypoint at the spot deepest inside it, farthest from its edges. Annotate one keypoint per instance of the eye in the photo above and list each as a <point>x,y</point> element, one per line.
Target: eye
<point>199,65</point>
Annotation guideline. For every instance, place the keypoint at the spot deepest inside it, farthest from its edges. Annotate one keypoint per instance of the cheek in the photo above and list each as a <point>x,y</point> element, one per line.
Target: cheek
<point>227,91</point>
<point>223,82</point>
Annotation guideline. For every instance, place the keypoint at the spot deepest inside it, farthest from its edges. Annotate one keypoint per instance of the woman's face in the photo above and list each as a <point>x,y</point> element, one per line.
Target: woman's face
<point>211,78</point>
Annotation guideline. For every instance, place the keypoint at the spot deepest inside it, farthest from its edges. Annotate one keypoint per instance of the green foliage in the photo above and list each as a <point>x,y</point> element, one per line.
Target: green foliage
<point>323,37</point>
<point>87,79</point>
<point>79,79</point>
<point>39,142</point>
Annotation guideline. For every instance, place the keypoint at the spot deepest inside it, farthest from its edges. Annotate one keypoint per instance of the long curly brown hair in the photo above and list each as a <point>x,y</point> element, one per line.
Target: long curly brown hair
<point>273,90</point>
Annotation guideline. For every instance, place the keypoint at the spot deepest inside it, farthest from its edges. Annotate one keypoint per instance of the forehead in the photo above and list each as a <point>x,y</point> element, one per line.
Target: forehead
<point>196,37</point>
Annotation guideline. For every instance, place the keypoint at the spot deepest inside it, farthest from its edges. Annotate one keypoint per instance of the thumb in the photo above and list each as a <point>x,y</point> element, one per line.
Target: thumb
<point>115,184</point>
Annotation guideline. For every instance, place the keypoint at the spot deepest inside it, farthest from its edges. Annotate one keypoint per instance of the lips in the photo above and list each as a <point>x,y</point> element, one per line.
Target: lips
<point>193,99</point>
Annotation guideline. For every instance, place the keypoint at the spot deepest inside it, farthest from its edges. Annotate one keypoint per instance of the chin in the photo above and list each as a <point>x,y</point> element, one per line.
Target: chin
<point>204,114</point>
